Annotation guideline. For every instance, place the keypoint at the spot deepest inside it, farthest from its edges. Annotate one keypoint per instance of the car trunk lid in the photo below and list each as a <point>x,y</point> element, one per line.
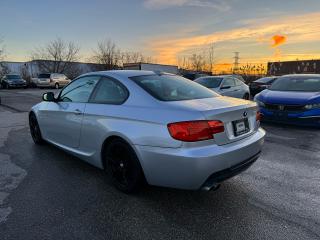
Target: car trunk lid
<point>234,113</point>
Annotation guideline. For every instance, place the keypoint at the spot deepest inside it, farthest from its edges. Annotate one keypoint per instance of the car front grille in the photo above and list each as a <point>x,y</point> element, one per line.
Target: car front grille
<point>288,108</point>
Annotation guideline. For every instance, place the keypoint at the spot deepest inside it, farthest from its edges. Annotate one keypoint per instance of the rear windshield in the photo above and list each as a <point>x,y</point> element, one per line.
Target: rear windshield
<point>303,84</point>
<point>265,80</point>
<point>44,75</point>
<point>12,77</point>
<point>172,88</point>
<point>209,82</point>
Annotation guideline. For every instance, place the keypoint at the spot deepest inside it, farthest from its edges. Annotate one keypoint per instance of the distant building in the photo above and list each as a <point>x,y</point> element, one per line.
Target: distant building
<point>151,67</point>
<point>293,67</point>
<point>33,68</point>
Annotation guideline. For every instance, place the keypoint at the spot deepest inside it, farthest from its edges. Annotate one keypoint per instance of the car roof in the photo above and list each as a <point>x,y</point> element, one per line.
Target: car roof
<point>301,75</point>
<point>205,77</point>
<point>122,73</point>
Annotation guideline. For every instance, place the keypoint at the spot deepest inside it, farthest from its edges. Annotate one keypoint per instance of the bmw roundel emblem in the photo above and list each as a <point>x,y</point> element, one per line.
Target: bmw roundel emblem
<point>245,114</point>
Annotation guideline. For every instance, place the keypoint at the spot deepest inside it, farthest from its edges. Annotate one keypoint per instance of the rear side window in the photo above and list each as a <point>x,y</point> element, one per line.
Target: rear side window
<point>167,87</point>
<point>238,82</point>
<point>209,82</point>
<point>229,82</point>
<point>109,91</point>
<point>44,75</point>
<point>79,90</point>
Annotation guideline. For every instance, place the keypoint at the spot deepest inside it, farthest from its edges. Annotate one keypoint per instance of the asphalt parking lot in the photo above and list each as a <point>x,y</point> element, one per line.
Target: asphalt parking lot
<point>48,194</point>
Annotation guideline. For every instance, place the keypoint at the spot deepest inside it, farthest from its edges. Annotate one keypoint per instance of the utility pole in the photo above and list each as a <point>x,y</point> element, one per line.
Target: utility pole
<point>236,62</point>
<point>211,57</point>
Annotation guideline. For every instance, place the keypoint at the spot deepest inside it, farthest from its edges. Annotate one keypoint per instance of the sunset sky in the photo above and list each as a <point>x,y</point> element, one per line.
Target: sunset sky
<point>168,29</point>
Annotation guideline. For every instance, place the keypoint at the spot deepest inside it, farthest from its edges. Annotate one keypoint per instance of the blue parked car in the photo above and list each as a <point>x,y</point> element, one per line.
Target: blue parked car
<point>293,99</point>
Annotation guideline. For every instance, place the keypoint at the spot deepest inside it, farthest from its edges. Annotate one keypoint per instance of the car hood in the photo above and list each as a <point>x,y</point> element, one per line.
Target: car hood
<point>288,97</point>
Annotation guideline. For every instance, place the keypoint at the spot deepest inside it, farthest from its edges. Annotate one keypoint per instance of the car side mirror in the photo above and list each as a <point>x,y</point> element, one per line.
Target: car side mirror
<point>225,87</point>
<point>48,97</point>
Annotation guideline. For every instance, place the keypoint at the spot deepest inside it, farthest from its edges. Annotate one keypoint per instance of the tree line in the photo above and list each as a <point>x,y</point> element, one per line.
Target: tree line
<point>60,56</point>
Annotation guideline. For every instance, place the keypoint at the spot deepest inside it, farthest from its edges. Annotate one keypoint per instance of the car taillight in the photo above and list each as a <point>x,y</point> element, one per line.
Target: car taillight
<point>192,131</point>
<point>258,116</point>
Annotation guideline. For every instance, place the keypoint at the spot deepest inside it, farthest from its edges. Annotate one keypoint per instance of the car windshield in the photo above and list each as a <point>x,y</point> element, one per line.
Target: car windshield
<point>209,82</point>
<point>13,77</point>
<point>264,80</point>
<point>303,84</point>
<point>45,75</point>
<point>172,88</point>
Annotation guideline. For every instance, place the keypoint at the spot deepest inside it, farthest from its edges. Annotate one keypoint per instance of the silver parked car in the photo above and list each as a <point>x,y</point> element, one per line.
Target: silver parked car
<point>52,80</point>
<point>154,127</point>
<point>226,85</point>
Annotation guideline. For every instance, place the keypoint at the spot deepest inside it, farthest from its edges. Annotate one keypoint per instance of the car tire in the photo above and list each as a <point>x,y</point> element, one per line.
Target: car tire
<point>35,129</point>
<point>246,96</point>
<point>56,85</point>
<point>123,166</point>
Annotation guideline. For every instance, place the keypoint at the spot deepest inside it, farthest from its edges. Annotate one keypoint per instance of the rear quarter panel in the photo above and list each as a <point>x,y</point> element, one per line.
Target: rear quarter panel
<point>140,125</point>
<point>144,126</point>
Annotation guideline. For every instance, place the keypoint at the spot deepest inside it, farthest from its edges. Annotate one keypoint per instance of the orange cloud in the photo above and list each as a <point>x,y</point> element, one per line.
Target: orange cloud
<point>300,29</point>
<point>278,40</point>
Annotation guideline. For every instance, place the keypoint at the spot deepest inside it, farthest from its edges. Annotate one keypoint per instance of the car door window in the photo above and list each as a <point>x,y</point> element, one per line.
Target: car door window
<point>228,82</point>
<point>238,82</point>
<point>109,91</point>
<point>79,90</point>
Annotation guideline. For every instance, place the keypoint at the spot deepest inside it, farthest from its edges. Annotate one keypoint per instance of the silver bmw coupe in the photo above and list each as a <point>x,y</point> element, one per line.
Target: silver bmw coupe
<point>144,126</point>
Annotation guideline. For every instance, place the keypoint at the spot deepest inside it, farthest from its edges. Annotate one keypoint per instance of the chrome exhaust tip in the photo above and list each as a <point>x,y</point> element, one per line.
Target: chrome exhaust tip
<point>211,187</point>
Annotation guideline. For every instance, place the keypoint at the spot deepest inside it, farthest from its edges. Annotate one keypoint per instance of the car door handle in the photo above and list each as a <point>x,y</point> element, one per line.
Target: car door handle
<point>77,112</point>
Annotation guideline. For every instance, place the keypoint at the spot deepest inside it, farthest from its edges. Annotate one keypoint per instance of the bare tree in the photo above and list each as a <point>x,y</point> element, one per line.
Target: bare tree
<point>56,57</point>
<point>4,69</point>
<point>25,73</point>
<point>108,54</point>
<point>1,50</point>
<point>202,59</point>
<point>197,62</point>
<point>132,57</point>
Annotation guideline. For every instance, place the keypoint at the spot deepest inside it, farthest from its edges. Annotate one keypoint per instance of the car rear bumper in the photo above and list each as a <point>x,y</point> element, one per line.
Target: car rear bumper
<point>192,168</point>
<point>18,85</point>
<point>44,84</point>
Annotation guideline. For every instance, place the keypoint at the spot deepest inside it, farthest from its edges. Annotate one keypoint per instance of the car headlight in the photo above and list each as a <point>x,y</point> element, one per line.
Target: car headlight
<point>312,106</point>
<point>260,104</point>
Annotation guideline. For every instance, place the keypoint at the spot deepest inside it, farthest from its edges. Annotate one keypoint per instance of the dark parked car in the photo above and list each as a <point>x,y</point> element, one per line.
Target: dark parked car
<point>13,81</point>
<point>193,76</point>
<point>261,84</point>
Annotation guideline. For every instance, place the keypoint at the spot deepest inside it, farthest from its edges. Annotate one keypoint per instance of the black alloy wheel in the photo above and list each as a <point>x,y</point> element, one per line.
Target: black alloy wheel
<point>35,130</point>
<point>123,166</point>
